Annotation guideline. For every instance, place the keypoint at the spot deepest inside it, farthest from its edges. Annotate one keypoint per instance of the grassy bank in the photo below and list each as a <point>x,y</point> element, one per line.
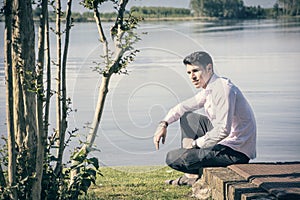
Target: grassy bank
<point>137,183</point>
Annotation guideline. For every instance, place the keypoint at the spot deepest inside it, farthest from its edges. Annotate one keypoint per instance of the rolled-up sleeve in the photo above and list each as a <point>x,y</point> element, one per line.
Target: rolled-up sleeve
<point>190,104</point>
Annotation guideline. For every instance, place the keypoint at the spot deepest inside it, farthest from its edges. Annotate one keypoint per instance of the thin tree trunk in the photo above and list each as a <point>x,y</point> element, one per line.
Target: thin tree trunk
<point>58,84</point>
<point>48,76</point>
<point>64,105</point>
<point>48,80</point>
<point>116,32</point>
<point>106,75</point>
<point>86,148</point>
<point>101,97</point>
<point>103,88</point>
<point>41,138</point>
<point>9,103</point>
<point>98,112</point>
<point>64,71</point>
<point>112,66</point>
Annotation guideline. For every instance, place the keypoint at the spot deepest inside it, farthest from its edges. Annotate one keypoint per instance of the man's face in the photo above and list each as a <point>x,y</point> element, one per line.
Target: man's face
<point>198,75</point>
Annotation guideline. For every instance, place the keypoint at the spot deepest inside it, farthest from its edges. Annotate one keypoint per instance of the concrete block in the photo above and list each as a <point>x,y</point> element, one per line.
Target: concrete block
<point>235,190</point>
<point>257,196</point>
<point>217,195</point>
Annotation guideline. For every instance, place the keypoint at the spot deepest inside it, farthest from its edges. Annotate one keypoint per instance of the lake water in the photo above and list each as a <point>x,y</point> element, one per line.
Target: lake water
<point>260,56</point>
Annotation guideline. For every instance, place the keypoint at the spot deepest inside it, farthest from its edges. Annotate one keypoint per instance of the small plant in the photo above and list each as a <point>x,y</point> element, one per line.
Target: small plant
<point>53,186</point>
<point>61,186</point>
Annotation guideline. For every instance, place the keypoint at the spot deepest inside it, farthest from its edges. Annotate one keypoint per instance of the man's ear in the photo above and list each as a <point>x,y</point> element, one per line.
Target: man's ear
<point>209,68</point>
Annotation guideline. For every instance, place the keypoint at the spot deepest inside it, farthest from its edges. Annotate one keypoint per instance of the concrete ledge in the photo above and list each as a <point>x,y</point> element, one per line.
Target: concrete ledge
<point>268,181</point>
<point>257,196</point>
<point>279,179</point>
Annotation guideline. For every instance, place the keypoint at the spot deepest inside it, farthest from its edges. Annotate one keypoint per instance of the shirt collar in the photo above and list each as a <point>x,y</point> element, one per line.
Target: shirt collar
<point>212,79</point>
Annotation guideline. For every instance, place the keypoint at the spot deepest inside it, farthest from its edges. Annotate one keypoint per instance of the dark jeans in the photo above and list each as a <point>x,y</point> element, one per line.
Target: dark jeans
<point>193,160</point>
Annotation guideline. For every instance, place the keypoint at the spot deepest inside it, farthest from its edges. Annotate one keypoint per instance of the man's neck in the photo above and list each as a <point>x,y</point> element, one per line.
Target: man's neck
<point>205,85</point>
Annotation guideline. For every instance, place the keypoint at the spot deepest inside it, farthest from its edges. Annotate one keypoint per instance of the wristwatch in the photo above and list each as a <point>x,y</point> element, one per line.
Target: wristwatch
<point>194,144</point>
<point>163,124</point>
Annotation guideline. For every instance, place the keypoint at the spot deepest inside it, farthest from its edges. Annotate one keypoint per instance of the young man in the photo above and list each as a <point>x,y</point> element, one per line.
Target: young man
<point>225,136</point>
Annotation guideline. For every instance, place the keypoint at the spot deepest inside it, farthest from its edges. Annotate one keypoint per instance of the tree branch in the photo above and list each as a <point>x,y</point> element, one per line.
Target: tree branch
<point>119,20</point>
<point>101,33</point>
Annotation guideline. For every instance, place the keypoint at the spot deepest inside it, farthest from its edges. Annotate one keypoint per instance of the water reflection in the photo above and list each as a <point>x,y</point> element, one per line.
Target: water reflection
<point>240,25</point>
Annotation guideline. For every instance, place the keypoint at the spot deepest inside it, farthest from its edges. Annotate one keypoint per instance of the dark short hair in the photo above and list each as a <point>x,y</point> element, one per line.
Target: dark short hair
<point>198,58</point>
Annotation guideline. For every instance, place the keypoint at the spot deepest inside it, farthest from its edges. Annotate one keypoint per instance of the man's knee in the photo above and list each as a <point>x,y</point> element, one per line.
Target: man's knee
<point>175,158</point>
<point>171,158</point>
<point>186,117</point>
<point>184,160</point>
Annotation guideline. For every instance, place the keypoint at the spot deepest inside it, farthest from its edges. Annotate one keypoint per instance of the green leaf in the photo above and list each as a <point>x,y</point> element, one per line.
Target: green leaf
<point>94,161</point>
<point>80,155</point>
<point>85,185</point>
<point>91,171</point>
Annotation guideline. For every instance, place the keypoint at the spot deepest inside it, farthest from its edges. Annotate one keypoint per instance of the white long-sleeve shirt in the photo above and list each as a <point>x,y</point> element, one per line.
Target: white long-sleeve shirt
<point>229,112</point>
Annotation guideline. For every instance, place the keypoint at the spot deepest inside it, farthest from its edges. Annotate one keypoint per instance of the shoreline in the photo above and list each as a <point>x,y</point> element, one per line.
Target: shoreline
<point>159,19</point>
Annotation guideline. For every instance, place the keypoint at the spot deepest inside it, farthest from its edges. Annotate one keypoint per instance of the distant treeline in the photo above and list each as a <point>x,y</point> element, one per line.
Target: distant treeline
<point>235,9</point>
<point>78,17</point>
<point>207,9</point>
<point>144,12</point>
<point>160,12</point>
<point>287,7</point>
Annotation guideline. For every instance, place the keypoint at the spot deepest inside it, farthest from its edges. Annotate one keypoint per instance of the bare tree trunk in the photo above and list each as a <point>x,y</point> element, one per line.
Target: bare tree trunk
<point>111,66</point>
<point>101,97</point>
<point>86,148</point>
<point>106,75</point>
<point>41,138</point>
<point>98,111</point>
<point>64,106</point>
<point>58,83</point>
<point>9,103</point>
<point>28,75</point>
<point>116,32</point>
<point>25,83</point>
<point>104,85</point>
<point>64,72</point>
<point>48,77</point>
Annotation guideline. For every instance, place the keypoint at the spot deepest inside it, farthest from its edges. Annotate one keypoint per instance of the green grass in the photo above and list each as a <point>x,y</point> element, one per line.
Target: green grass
<point>137,183</point>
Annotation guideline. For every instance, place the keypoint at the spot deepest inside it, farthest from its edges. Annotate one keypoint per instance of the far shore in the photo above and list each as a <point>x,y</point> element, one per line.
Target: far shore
<point>169,19</point>
<point>178,18</point>
<point>190,18</point>
<point>144,19</point>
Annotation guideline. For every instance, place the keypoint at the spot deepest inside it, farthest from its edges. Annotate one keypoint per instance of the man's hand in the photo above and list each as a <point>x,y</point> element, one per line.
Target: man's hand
<point>161,133</point>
